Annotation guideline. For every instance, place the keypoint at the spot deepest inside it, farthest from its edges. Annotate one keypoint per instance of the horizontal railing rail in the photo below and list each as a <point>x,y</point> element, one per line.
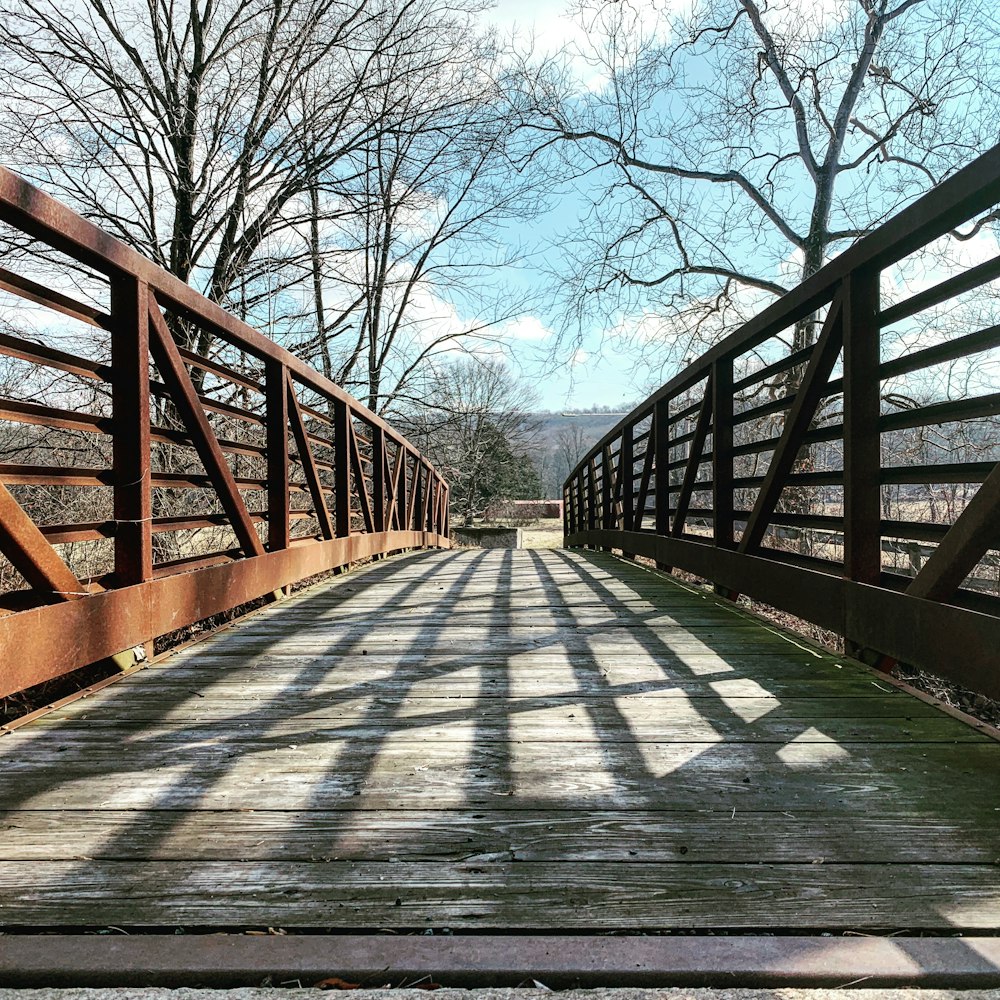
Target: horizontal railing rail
<point>805,476</point>
<point>161,461</point>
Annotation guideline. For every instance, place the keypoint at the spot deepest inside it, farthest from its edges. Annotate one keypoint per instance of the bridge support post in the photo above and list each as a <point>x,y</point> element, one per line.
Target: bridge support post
<point>862,441</point>
<point>278,507</point>
<point>661,471</point>
<point>626,482</point>
<point>722,457</point>
<point>342,468</point>
<point>130,405</point>
<point>378,478</point>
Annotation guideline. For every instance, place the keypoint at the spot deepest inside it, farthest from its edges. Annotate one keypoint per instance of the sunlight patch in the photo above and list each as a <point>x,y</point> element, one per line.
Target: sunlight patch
<point>979,912</point>
<point>579,773</point>
<point>745,698</point>
<point>565,721</point>
<point>675,718</point>
<point>438,771</point>
<point>662,759</point>
<point>441,681</point>
<point>637,668</point>
<point>542,672</point>
<point>811,749</point>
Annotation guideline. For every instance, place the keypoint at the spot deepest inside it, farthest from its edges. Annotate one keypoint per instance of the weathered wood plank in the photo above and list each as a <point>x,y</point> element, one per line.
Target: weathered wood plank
<point>282,774</point>
<point>570,722</point>
<point>732,711</point>
<point>501,895</point>
<point>501,740</point>
<point>829,836</point>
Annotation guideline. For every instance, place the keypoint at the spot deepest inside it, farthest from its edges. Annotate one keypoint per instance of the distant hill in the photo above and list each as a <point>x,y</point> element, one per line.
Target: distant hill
<point>563,438</point>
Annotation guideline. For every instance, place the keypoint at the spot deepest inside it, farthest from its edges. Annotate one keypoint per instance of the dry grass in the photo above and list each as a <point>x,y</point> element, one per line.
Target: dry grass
<point>545,533</point>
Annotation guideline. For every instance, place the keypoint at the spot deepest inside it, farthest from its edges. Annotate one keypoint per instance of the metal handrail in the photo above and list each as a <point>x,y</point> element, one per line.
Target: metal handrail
<point>371,492</point>
<point>659,454</point>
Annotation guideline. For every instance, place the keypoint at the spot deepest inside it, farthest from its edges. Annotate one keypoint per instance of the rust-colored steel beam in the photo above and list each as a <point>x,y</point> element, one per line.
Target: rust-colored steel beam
<point>185,398</point>
<point>379,469</point>
<point>54,639</point>
<point>975,530</point>
<point>133,504</point>
<point>38,214</point>
<point>975,188</point>
<point>413,461</point>
<point>797,421</point>
<point>143,600</point>
<point>49,357</point>
<point>695,457</point>
<point>644,479</point>
<point>278,497</point>
<point>32,556</point>
<point>25,288</point>
<point>316,488</point>
<point>360,481</point>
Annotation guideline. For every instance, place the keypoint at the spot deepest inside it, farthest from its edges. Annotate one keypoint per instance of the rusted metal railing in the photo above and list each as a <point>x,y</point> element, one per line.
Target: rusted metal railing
<point>706,477</point>
<point>226,470</point>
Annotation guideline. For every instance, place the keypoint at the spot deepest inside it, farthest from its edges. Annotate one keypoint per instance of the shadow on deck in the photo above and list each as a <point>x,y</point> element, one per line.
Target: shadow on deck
<point>555,741</point>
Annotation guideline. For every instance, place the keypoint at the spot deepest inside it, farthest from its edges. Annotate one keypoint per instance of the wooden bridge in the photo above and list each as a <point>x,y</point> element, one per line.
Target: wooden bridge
<point>486,762</point>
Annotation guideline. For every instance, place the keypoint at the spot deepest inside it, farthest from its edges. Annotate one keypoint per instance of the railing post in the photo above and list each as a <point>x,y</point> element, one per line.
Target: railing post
<point>592,498</point>
<point>418,492</point>
<point>342,467</point>
<point>378,477</point>
<point>402,497</point>
<point>579,501</point>
<point>862,441</point>
<point>278,503</point>
<point>722,452</point>
<point>661,473</point>
<point>626,476</point>
<point>607,487</point>
<point>722,457</point>
<point>133,504</point>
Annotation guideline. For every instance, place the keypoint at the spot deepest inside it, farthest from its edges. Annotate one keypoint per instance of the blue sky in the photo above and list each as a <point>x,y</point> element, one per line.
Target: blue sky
<point>583,374</point>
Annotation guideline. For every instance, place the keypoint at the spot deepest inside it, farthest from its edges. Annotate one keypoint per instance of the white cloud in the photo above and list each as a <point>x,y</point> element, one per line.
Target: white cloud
<point>526,328</point>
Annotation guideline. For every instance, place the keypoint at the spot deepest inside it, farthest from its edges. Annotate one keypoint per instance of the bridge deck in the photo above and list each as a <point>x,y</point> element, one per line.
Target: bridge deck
<point>501,740</point>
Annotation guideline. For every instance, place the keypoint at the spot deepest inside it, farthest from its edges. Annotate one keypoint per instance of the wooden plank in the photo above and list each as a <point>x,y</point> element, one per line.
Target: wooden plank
<point>385,773</point>
<point>502,895</point>
<point>601,722</point>
<point>422,834</point>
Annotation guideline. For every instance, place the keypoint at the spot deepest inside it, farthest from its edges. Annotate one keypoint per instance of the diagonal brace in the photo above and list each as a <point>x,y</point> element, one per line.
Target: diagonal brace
<point>178,382</point>
<point>803,409</point>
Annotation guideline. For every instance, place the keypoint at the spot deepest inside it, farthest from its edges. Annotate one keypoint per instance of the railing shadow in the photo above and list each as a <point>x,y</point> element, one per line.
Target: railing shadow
<point>616,737</point>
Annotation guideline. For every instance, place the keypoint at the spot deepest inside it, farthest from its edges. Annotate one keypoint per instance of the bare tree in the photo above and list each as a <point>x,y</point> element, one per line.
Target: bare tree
<point>474,421</point>
<point>410,264</point>
<point>740,143</point>
<point>180,129</point>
